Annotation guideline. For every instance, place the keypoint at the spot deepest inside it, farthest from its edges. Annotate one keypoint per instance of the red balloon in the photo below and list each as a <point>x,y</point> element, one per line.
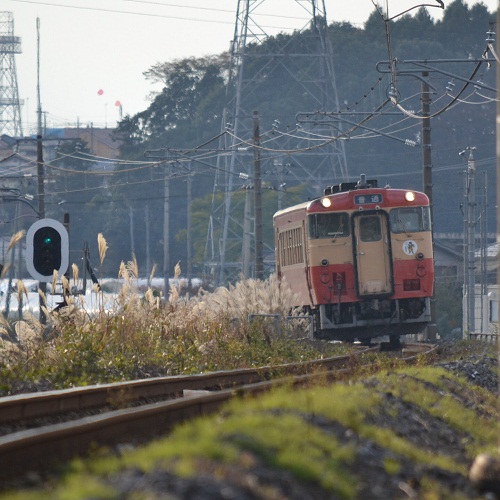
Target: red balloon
<point>118,103</point>
<point>100,92</point>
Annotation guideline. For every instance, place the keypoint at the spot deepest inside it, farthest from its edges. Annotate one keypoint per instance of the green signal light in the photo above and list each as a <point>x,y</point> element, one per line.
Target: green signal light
<point>47,249</point>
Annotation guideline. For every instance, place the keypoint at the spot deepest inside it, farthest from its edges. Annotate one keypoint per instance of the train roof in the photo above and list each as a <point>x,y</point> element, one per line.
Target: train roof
<point>350,196</point>
<point>300,206</point>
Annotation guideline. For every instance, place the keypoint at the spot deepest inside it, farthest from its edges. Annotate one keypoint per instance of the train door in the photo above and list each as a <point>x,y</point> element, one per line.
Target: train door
<point>373,254</point>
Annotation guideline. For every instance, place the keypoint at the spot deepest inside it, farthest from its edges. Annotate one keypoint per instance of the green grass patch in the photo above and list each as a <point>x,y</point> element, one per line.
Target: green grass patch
<point>350,405</point>
<point>391,466</point>
<point>450,398</point>
<point>294,431</point>
<point>311,456</point>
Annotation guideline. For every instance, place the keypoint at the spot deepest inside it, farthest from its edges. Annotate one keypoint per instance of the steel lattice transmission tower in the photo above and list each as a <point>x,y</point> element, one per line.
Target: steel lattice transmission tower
<point>10,105</point>
<point>302,63</point>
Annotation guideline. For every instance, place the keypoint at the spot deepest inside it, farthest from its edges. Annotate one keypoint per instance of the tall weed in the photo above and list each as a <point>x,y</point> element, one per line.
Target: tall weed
<point>146,334</point>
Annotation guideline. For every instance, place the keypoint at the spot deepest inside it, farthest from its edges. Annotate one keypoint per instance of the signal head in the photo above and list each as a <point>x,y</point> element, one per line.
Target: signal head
<point>47,249</point>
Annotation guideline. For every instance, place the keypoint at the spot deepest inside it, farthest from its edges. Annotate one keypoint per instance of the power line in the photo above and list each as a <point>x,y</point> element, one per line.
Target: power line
<point>212,9</point>
<point>162,16</point>
<point>115,11</point>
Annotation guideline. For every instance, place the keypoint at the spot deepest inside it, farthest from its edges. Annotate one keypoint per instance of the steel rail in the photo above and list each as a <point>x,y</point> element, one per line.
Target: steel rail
<point>30,406</point>
<point>42,447</point>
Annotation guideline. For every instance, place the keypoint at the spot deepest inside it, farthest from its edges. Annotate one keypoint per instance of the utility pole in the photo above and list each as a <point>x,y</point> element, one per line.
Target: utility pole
<point>40,171</point>
<point>247,232</point>
<point>259,242</point>
<point>165,154</point>
<point>189,239</point>
<point>483,224</point>
<point>498,182</point>
<point>148,256</point>
<point>131,223</point>
<point>470,245</point>
<point>426,138</point>
<point>427,178</point>
<point>166,231</point>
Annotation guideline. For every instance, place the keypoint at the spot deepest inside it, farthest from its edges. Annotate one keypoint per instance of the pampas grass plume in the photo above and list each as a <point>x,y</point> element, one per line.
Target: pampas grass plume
<point>103,246</point>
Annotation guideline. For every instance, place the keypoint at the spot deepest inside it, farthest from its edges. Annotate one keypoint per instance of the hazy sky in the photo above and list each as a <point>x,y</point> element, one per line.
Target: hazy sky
<point>93,53</point>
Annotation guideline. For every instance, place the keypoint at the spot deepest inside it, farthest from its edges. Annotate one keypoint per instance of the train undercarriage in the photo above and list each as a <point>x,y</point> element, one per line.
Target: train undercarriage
<point>372,318</point>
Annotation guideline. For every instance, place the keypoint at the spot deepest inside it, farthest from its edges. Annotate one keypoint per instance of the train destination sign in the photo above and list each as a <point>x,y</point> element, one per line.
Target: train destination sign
<point>367,199</point>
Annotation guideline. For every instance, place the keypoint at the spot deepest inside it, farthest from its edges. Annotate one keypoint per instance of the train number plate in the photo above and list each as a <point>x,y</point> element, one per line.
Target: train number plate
<point>367,199</point>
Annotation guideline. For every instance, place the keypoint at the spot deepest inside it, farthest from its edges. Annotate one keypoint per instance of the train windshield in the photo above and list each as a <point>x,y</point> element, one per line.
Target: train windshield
<point>331,225</point>
<point>410,220</point>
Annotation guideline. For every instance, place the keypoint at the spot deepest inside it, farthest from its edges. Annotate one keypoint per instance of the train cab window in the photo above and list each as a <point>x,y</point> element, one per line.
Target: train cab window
<point>369,228</point>
<point>410,220</point>
<point>328,225</point>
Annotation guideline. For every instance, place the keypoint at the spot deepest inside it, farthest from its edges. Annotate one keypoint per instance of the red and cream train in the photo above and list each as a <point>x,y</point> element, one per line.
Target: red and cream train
<point>360,260</point>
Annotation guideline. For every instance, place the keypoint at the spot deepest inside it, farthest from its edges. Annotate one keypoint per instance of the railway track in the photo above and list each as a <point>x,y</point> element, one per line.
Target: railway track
<point>124,412</point>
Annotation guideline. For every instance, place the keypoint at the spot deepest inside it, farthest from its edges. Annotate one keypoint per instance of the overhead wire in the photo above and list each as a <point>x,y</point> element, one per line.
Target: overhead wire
<point>119,184</point>
<point>206,155</point>
<point>105,159</point>
<point>116,11</point>
<point>147,14</point>
<point>316,146</point>
<point>365,96</point>
<point>487,100</point>
<point>213,9</point>
<point>49,164</point>
<point>172,161</point>
<point>177,175</point>
<point>386,128</point>
<point>322,140</point>
<point>454,98</point>
<point>393,63</point>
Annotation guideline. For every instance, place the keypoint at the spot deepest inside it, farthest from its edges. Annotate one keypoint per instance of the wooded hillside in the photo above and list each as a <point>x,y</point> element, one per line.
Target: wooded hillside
<point>187,112</point>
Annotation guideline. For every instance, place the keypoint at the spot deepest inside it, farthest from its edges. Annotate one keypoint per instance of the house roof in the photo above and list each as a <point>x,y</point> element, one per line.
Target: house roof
<point>491,251</point>
<point>439,245</point>
<point>103,135</point>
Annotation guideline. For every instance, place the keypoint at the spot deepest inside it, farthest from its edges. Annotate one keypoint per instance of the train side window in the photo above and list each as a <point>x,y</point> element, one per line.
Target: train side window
<point>410,220</point>
<point>291,247</point>
<point>369,228</point>
<point>328,225</point>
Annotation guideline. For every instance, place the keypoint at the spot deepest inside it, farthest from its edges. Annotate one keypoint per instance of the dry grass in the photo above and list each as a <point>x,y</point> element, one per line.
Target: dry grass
<point>146,334</point>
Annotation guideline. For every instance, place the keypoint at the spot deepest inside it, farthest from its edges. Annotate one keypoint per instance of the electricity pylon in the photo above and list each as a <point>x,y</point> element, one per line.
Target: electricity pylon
<point>10,105</point>
<point>256,57</point>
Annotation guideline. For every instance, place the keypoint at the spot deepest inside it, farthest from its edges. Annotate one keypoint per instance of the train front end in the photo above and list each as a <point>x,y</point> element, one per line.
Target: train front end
<point>367,267</point>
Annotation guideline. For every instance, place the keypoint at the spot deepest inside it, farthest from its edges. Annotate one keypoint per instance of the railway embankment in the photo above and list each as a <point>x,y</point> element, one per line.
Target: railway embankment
<point>400,432</point>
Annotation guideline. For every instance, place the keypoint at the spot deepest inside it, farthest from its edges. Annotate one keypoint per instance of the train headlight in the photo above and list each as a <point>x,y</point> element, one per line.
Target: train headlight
<point>326,202</point>
<point>410,196</point>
